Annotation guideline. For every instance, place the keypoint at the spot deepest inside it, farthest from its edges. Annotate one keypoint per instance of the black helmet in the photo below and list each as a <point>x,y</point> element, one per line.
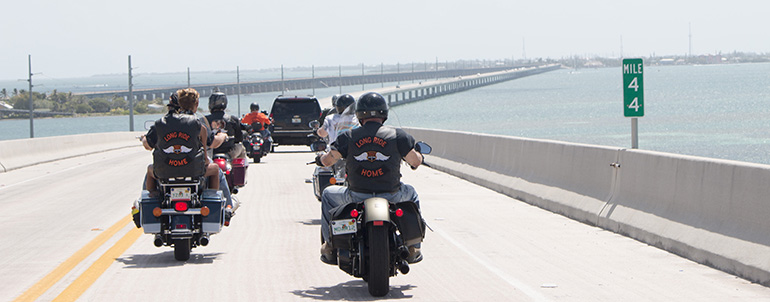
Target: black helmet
<point>173,101</point>
<point>343,102</point>
<point>254,107</point>
<point>371,104</point>
<point>217,101</point>
<point>334,99</point>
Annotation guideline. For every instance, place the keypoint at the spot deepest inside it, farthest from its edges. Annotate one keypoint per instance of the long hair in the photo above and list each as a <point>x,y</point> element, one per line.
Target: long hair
<point>188,98</point>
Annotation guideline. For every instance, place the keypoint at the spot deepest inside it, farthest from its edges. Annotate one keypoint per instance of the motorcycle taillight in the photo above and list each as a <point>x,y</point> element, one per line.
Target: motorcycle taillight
<point>180,206</point>
<point>239,161</point>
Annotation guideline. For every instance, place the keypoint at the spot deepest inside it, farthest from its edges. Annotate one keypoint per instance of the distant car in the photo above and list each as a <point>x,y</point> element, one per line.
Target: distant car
<point>291,115</point>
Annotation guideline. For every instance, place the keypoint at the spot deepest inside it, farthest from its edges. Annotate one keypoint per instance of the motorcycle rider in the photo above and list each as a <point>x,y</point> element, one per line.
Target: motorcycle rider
<point>214,140</point>
<point>220,121</point>
<point>342,120</point>
<point>178,140</point>
<point>372,153</point>
<point>256,116</point>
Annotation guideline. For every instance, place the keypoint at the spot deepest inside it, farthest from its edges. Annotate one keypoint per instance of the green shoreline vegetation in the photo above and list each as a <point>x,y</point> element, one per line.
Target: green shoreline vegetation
<point>76,105</point>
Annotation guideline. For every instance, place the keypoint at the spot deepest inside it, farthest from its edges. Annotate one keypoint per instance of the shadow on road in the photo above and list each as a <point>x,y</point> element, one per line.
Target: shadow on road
<point>165,259</point>
<point>354,290</point>
<point>311,222</point>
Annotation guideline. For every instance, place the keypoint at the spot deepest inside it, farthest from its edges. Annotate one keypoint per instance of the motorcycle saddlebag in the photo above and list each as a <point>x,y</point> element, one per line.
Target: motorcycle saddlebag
<point>214,201</point>
<point>238,173</point>
<point>410,225</point>
<point>150,223</point>
<point>342,241</point>
<point>322,177</point>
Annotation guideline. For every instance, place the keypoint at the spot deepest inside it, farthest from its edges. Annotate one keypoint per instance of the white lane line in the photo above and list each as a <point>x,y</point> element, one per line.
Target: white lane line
<point>54,173</point>
<point>527,290</point>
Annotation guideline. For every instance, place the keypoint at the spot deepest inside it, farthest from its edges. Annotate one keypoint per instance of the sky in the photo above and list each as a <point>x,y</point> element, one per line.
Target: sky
<point>80,38</point>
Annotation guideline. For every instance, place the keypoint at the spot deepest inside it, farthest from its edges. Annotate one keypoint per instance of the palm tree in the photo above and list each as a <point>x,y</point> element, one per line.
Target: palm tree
<point>4,94</point>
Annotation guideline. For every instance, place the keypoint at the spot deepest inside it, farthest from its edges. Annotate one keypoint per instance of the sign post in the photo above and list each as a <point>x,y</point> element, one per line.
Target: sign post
<point>633,95</point>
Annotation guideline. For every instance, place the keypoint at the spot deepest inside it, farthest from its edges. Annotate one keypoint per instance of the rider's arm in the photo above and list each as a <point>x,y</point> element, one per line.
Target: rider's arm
<point>203,136</point>
<point>219,138</point>
<point>330,158</point>
<point>238,130</point>
<point>148,145</point>
<point>413,158</point>
<point>322,132</point>
<point>145,144</point>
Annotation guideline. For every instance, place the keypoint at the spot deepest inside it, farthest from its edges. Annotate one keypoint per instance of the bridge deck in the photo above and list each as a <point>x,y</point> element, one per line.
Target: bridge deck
<point>486,246</point>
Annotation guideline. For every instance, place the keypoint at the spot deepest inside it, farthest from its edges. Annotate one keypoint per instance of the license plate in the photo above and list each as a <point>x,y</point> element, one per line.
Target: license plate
<point>296,120</point>
<point>180,194</point>
<point>344,226</point>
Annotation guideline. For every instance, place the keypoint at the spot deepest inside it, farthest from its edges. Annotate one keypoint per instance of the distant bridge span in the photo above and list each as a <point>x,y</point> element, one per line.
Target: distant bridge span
<point>302,83</point>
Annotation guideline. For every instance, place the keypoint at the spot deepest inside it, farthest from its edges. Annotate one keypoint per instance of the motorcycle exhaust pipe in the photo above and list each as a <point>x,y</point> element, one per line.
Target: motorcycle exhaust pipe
<point>403,252</point>
<point>158,241</point>
<point>403,267</point>
<point>204,241</point>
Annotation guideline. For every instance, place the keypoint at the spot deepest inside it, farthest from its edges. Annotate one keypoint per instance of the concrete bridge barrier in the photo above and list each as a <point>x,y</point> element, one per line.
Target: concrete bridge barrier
<point>714,212</point>
<point>20,153</point>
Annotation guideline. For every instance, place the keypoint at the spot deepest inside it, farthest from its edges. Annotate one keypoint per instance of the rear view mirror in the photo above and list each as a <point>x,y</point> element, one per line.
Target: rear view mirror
<point>318,146</point>
<point>422,147</point>
<point>148,124</point>
<point>314,124</point>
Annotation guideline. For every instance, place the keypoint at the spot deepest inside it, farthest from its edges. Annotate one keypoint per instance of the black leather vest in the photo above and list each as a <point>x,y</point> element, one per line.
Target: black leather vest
<point>373,162</point>
<point>179,151</point>
<point>232,125</point>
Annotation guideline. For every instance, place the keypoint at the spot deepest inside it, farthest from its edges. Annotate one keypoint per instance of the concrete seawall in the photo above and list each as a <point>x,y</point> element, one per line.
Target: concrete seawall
<point>21,153</point>
<point>714,212</point>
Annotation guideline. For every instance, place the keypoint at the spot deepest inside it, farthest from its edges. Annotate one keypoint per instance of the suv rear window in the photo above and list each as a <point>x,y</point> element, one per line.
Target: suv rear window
<point>295,107</point>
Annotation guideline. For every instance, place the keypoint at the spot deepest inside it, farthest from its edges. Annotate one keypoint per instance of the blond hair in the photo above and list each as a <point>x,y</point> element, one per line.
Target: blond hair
<point>188,98</point>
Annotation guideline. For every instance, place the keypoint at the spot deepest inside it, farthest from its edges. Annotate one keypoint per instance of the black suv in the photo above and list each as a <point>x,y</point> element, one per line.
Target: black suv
<point>291,115</point>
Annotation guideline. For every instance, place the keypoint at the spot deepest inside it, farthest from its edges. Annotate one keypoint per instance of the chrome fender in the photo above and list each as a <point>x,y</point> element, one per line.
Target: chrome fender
<point>376,208</point>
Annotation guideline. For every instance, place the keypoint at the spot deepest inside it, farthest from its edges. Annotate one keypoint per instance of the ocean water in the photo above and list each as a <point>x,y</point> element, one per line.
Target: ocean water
<point>718,111</point>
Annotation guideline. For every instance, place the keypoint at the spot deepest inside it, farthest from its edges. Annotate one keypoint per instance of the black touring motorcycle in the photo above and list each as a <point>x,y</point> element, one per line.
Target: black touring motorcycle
<point>371,238</point>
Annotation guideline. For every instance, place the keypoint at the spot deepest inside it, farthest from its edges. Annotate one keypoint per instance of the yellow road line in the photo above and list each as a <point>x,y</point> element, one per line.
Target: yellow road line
<point>82,283</point>
<point>49,280</point>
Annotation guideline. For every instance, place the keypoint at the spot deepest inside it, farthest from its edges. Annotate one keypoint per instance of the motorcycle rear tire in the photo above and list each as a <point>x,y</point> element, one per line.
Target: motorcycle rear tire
<point>379,261</point>
<point>182,249</point>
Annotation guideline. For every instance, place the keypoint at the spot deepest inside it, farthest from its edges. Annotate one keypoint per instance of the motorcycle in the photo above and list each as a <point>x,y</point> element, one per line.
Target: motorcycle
<point>372,237</point>
<point>324,176</point>
<point>256,145</point>
<point>184,216</point>
<point>234,170</point>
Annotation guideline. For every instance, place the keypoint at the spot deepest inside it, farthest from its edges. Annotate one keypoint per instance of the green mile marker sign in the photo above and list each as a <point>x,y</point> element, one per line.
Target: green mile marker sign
<point>633,92</point>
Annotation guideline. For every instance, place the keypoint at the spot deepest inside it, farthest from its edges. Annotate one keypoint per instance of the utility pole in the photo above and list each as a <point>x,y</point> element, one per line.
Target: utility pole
<point>362,77</point>
<point>621,46</point>
<point>188,77</point>
<point>689,35</point>
<point>382,74</point>
<point>436,68</point>
<point>283,87</point>
<point>340,79</point>
<point>312,82</point>
<point>31,103</point>
<point>238,79</point>
<point>130,97</point>
<point>398,71</point>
